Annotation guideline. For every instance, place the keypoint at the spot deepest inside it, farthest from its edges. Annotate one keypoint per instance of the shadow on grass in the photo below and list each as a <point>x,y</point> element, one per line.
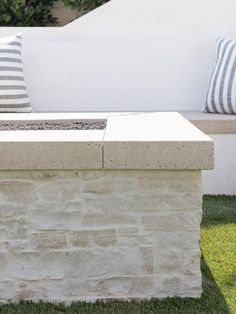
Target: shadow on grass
<point>211,293</point>
<point>219,209</point>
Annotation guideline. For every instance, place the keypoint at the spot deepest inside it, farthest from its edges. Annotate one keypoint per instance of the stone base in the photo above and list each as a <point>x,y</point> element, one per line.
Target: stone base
<point>87,235</point>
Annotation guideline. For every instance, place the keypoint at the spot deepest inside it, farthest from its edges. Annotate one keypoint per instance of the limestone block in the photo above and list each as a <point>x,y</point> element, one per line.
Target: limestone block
<point>171,240</point>
<point>143,287</point>
<point>126,287</point>
<point>128,236</point>
<point>17,191</point>
<point>170,285</point>
<point>7,290</point>
<point>187,262</point>
<point>72,206</point>
<point>179,221</point>
<point>42,176</point>
<point>44,220</point>
<point>79,238</point>
<point>109,185</point>
<point>11,210</point>
<point>15,245</point>
<point>48,290</point>
<point>102,262</point>
<point>61,191</point>
<point>48,240</point>
<point>104,238</point>
<point>105,202</point>
<point>101,238</point>
<point>80,288</point>
<point>115,286</point>
<point>11,228</point>
<point>147,260</point>
<point>169,182</point>
<point>108,219</point>
<point>33,265</point>
<point>164,202</point>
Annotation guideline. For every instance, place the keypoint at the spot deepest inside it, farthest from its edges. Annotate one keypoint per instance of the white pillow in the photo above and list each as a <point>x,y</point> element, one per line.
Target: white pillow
<point>13,95</point>
<point>222,90</point>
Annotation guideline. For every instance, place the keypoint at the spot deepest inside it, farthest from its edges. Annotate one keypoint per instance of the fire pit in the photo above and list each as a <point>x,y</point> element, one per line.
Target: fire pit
<point>75,125</point>
<point>108,213</point>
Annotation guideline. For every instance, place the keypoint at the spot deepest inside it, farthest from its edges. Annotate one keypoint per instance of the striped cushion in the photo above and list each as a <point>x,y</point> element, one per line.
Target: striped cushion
<point>221,96</point>
<point>13,95</point>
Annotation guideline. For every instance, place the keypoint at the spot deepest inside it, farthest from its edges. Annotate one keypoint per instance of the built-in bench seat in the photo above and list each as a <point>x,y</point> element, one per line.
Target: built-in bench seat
<point>211,123</point>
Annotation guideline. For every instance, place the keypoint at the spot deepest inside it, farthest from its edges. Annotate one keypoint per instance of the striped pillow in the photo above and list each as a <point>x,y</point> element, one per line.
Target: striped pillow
<point>221,96</point>
<point>13,95</point>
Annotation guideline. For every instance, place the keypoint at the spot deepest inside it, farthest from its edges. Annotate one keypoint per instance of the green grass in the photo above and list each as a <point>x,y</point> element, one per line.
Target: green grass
<point>218,242</point>
<point>218,234</point>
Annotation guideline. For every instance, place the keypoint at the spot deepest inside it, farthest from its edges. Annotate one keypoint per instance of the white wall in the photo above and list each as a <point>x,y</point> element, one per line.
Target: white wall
<point>134,55</point>
<point>127,55</point>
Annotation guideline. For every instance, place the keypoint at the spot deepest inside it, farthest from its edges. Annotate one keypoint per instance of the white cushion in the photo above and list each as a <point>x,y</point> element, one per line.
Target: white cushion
<point>13,94</point>
<point>221,96</point>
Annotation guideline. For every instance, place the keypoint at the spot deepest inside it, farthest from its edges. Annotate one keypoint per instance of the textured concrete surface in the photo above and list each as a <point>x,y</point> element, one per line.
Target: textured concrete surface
<point>208,123</point>
<point>130,141</point>
<point>51,149</point>
<point>86,235</point>
<point>163,140</point>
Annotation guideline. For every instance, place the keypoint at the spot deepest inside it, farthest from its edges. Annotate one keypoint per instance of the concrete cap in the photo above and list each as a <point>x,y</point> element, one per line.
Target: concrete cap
<point>208,123</point>
<point>163,140</point>
<point>50,149</point>
<point>130,141</point>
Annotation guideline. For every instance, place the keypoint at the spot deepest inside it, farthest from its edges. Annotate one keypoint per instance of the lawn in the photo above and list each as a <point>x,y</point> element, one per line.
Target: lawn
<point>218,242</point>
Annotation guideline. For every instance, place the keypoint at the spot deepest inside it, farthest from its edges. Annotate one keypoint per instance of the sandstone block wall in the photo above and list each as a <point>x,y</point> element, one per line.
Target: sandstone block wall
<point>85,235</point>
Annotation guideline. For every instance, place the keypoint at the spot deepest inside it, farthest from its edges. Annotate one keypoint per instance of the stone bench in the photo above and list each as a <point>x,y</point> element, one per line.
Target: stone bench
<point>212,123</point>
<point>111,214</point>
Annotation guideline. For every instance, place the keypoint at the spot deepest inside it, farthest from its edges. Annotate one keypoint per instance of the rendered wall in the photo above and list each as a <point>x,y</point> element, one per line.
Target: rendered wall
<point>129,55</point>
<point>85,235</point>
